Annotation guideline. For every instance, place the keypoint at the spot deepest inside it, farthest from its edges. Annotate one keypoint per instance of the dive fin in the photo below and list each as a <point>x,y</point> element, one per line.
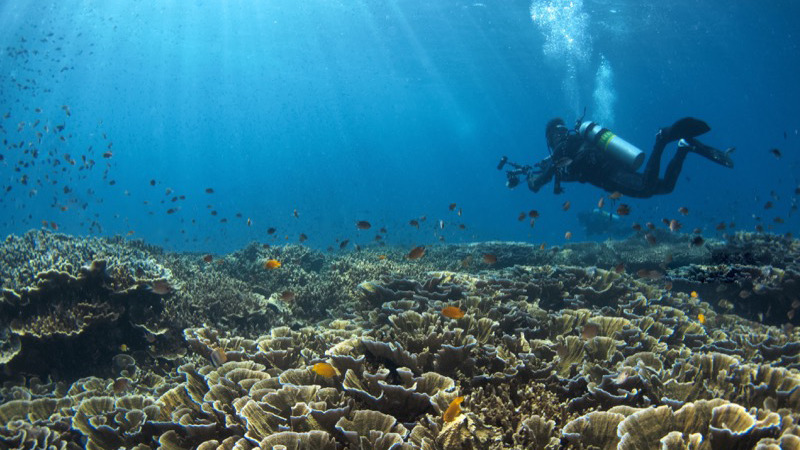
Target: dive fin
<point>721,157</point>
<point>685,128</point>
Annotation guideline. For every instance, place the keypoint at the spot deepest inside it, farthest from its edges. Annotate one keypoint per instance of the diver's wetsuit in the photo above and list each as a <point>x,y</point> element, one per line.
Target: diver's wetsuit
<point>575,159</point>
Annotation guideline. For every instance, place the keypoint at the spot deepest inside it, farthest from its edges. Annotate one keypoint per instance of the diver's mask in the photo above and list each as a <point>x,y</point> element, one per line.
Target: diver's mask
<point>556,133</point>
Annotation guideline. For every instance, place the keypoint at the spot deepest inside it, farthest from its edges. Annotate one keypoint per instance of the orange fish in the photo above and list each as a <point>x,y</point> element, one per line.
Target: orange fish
<point>701,318</point>
<point>693,294</point>
<point>208,258</point>
<point>416,252</point>
<point>623,210</point>
<point>565,206</point>
<point>615,195</point>
<point>454,410</point>
<point>452,312</point>
<point>674,225</point>
<point>568,235</point>
<point>489,258</point>
<point>381,257</point>
<point>363,225</point>
<point>272,264</point>
<point>324,370</point>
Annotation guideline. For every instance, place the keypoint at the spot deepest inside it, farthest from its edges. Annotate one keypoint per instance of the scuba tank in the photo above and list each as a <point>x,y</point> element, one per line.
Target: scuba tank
<point>622,150</point>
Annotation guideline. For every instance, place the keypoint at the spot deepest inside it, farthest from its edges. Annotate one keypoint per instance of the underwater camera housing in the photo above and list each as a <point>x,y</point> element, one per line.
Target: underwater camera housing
<point>620,149</point>
<point>512,175</point>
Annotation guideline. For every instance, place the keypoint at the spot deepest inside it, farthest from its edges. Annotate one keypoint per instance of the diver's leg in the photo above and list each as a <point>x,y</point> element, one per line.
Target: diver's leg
<point>674,167</point>
<point>685,128</point>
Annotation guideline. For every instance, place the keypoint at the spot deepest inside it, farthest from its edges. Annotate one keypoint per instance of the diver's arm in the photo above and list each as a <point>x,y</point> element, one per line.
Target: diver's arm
<point>538,179</point>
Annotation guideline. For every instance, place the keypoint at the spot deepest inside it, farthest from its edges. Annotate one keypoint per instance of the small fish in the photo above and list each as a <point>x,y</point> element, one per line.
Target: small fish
<point>414,223</point>
<point>650,226</point>
<point>272,264</point>
<point>453,411</point>
<point>701,318</point>
<point>161,287</point>
<point>452,206</point>
<point>615,195</point>
<point>363,225</point>
<point>721,226</point>
<point>381,257</point>
<point>565,206</point>
<point>619,268</point>
<point>776,153</point>
<point>684,211</point>
<point>623,210</point>
<point>416,252</point>
<point>208,258</point>
<point>271,230</point>
<point>674,225</point>
<point>696,241</point>
<point>123,348</point>
<point>650,238</point>
<point>568,235</point>
<point>107,155</point>
<point>636,226</point>
<point>302,237</point>
<point>287,296</point>
<point>601,203</point>
<point>249,222</point>
<point>324,370</point>
<point>296,214</point>
<point>218,357</point>
<point>768,205</point>
<point>693,294</point>
<point>534,214</point>
<point>344,243</point>
<point>209,190</point>
<point>521,216</point>
<point>489,258</point>
<point>452,312</point>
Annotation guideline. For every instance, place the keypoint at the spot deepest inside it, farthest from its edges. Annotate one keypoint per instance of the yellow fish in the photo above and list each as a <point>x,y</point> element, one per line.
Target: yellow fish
<point>454,410</point>
<point>324,370</point>
<point>272,264</point>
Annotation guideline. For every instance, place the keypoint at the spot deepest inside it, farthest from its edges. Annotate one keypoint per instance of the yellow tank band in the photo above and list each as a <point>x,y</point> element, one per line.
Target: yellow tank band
<point>605,139</point>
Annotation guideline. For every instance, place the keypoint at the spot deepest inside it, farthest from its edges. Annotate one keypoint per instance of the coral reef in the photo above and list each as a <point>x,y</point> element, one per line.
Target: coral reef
<point>159,350</point>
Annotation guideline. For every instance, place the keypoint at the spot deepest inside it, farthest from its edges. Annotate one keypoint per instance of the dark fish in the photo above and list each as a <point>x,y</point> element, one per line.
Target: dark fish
<point>271,230</point>
<point>696,241</point>
<point>619,268</point>
<point>344,243</point>
<point>636,227</point>
<point>208,258</point>
<point>521,216</point>
<point>209,190</point>
<point>489,258</point>
<point>161,287</point>
<point>533,213</point>
<point>650,238</point>
<point>363,225</point>
<point>776,153</point>
<point>107,155</point>
<point>416,252</point>
<point>720,226</point>
<point>303,237</point>
<point>768,205</point>
<point>452,206</point>
<point>623,210</point>
<point>565,206</point>
<point>413,223</point>
<point>683,210</point>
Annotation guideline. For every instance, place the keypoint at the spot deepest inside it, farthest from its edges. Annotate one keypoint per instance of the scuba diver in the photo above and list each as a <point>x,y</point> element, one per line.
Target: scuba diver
<point>592,154</point>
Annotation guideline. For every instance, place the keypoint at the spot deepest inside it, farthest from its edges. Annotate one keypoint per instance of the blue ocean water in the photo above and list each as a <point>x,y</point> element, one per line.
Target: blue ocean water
<point>384,111</point>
